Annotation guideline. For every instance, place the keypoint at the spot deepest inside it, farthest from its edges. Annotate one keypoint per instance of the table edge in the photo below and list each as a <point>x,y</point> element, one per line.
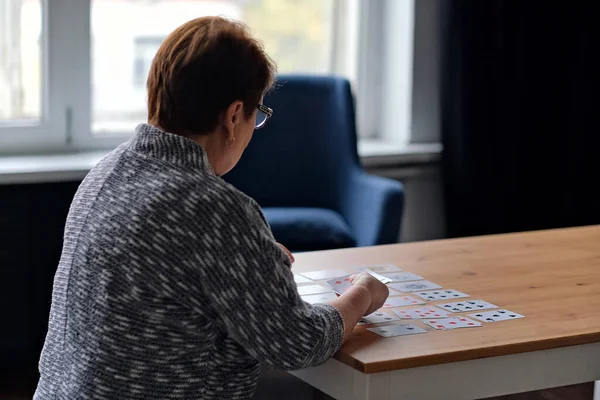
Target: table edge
<point>466,355</point>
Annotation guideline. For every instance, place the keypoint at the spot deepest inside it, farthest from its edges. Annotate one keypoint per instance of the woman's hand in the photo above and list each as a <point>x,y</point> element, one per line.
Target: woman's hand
<point>292,259</point>
<point>379,292</point>
<point>365,296</point>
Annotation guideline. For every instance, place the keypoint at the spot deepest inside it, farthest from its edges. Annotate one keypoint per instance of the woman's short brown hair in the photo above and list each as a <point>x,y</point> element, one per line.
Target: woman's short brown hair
<point>200,69</point>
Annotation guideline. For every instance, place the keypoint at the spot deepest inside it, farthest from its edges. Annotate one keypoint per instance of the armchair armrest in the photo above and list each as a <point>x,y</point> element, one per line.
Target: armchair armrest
<point>373,208</point>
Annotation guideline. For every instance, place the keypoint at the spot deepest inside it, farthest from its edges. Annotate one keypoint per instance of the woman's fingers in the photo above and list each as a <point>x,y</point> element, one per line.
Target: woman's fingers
<point>289,253</point>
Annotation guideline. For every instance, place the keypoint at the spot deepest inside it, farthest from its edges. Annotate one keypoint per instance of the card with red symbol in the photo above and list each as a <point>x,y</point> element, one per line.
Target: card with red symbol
<point>422,312</point>
<point>451,323</point>
<point>402,301</point>
<point>341,284</point>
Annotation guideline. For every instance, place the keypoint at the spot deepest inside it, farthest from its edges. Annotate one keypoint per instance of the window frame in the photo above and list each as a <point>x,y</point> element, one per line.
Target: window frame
<point>358,28</point>
<point>47,132</point>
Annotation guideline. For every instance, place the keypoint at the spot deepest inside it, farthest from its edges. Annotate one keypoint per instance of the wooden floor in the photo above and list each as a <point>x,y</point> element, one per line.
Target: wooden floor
<point>584,391</point>
<point>576,392</point>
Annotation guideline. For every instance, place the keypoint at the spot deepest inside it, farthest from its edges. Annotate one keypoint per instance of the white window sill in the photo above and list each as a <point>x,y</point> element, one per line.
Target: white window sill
<point>65,167</point>
<point>47,168</point>
<point>380,154</point>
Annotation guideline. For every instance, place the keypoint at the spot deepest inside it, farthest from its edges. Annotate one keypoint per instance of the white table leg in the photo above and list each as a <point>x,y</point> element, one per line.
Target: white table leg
<point>597,390</point>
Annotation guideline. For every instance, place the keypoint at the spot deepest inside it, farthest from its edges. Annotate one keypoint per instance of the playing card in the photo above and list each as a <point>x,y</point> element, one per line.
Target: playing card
<point>341,284</point>
<point>312,289</point>
<point>397,330</point>
<point>421,312</point>
<point>383,279</point>
<point>300,279</point>
<point>447,294</point>
<point>377,317</point>
<point>451,323</point>
<point>319,298</point>
<point>467,305</point>
<point>415,286</point>
<point>402,301</point>
<point>325,274</point>
<point>379,268</point>
<point>403,277</point>
<point>496,315</point>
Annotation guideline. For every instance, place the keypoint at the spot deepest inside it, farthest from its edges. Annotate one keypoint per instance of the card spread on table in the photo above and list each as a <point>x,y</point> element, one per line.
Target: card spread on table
<point>467,305</point>
<point>341,284</point>
<point>303,290</point>
<point>403,276</point>
<point>434,295</point>
<point>415,286</point>
<point>402,301</point>
<point>319,298</point>
<point>451,323</point>
<point>379,268</point>
<point>325,274</point>
<point>300,279</point>
<point>377,317</point>
<point>496,315</point>
<point>421,312</point>
<point>397,330</point>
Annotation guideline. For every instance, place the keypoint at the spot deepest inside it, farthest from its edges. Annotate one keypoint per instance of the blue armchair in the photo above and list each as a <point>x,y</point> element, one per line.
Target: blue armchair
<point>304,171</point>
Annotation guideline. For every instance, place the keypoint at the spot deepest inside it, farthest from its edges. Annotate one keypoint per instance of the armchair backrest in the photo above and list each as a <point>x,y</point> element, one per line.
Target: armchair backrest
<point>306,151</point>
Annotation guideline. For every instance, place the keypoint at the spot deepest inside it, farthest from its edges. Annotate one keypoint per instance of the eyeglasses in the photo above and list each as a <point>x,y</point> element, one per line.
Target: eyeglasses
<point>262,116</point>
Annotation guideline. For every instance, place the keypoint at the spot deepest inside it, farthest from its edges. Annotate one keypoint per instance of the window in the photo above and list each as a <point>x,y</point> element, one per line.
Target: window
<point>73,72</point>
<point>32,112</point>
<point>145,48</point>
<point>20,61</point>
<point>297,34</point>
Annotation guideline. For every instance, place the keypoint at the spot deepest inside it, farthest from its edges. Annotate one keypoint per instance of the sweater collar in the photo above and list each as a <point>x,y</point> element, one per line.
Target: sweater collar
<point>152,141</point>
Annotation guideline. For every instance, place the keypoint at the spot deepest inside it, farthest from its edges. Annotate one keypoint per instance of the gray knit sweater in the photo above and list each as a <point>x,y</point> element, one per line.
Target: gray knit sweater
<point>171,285</point>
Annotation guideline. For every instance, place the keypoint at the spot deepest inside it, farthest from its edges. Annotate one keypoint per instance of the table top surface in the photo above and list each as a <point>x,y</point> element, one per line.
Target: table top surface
<point>551,277</point>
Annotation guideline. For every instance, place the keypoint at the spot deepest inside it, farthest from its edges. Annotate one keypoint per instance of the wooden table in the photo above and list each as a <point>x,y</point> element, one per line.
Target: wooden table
<point>551,277</point>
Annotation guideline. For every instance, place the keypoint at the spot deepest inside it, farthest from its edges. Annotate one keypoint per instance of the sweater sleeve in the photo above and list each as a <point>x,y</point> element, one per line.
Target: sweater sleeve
<point>252,289</point>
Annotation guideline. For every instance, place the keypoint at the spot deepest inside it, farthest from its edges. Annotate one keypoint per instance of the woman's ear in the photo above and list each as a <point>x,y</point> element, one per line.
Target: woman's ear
<point>234,112</point>
<point>233,116</point>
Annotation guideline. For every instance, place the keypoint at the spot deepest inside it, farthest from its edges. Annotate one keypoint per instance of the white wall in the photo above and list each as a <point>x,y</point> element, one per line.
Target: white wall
<point>423,216</point>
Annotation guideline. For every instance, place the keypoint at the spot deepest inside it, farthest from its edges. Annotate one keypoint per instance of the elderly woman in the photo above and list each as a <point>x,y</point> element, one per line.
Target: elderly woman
<point>170,284</point>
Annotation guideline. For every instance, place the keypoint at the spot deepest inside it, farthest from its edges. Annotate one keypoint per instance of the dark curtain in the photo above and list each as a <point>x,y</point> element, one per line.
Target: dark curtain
<point>520,124</point>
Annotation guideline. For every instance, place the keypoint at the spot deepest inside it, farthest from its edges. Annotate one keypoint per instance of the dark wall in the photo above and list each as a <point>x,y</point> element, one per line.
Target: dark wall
<point>32,219</point>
